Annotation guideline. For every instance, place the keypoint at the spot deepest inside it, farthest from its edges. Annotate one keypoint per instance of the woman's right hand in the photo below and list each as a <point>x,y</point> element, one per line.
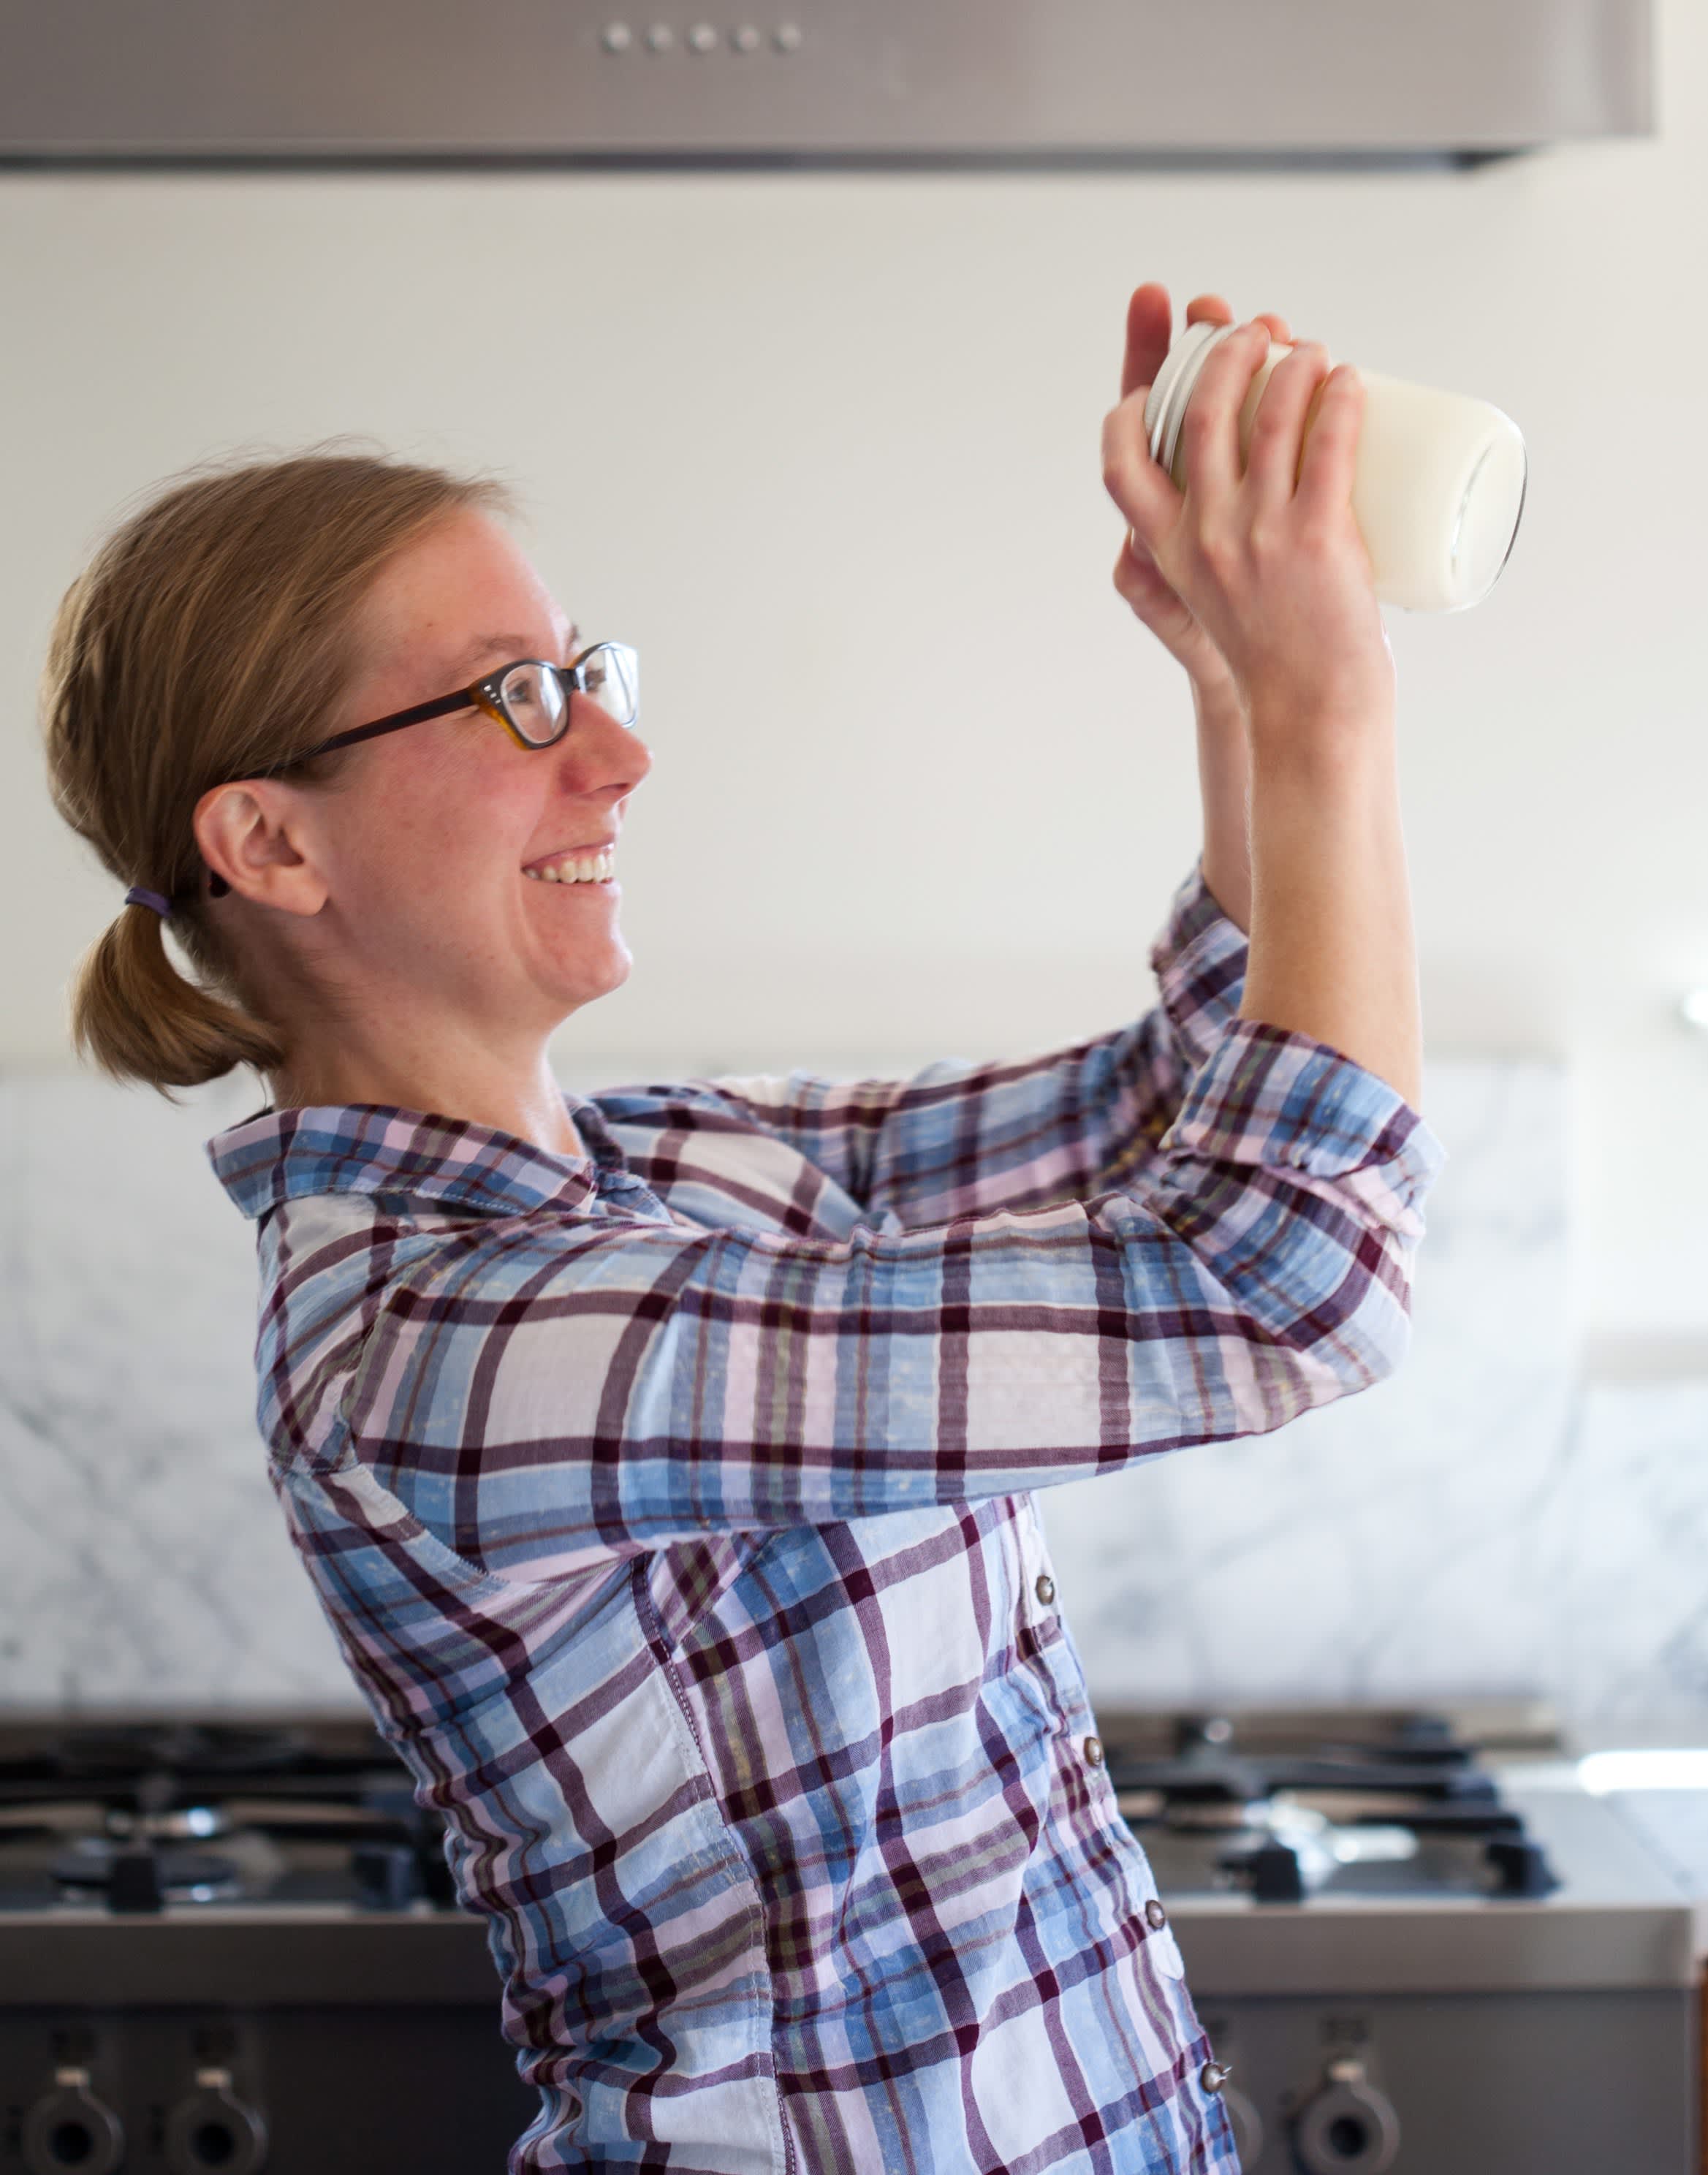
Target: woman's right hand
<point>1266,555</point>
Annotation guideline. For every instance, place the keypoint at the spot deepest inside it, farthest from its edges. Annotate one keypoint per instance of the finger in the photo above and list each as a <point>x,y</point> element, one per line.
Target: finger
<point>1211,430</point>
<point>1146,591</point>
<point>1148,500</point>
<point>1136,579</point>
<point>1138,569</point>
<point>1149,317</point>
<point>1331,448</point>
<point>1278,428</point>
<point>1211,310</point>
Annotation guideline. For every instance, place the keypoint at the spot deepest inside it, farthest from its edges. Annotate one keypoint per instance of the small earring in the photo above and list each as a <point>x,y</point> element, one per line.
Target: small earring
<point>217,885</point>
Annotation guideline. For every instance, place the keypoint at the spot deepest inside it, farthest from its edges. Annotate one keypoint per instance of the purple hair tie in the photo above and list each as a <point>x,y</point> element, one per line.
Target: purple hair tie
<point>136,896</point>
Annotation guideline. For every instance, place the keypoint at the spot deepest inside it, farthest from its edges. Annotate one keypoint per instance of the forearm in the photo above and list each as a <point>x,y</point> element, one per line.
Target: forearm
<point>1332,953</point>
<point>1224,785</point>
<point>1252,570</point>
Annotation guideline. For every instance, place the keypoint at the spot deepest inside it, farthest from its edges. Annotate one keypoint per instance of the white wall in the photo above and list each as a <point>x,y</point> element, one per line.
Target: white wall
<point>826,449</point>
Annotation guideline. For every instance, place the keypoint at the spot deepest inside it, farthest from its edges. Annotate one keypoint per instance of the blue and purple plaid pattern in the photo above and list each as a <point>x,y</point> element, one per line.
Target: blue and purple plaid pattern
<point>673,1508</point>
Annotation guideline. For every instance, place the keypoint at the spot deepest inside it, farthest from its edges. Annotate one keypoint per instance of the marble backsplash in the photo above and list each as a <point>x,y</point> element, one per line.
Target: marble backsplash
<point>1482,1525</point>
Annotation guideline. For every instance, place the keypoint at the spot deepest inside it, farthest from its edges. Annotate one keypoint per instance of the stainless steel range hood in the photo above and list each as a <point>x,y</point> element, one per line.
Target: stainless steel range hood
<point>814,82</point>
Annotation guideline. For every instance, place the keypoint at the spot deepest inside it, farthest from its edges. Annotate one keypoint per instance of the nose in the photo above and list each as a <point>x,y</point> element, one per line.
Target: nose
<point>598,756</point>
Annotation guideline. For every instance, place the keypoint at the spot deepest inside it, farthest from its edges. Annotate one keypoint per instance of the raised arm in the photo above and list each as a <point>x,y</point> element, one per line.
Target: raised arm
<point>1258,572</point>
<point>547,1393</point>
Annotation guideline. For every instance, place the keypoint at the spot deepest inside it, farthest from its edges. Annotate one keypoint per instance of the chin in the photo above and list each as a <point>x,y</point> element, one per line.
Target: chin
<point>593,979</point>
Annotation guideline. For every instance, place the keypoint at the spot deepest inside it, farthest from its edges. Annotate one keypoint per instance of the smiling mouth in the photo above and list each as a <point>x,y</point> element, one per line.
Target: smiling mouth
<point>592,867</point>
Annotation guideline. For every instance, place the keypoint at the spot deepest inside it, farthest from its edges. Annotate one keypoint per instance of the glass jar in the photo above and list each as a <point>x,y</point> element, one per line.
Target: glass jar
<point>1437,487</point>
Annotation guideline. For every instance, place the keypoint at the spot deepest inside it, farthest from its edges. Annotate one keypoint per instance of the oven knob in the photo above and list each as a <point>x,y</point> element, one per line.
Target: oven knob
<point>70,2128</point>
<point>213,2127</point>
<point>1350,2128</point>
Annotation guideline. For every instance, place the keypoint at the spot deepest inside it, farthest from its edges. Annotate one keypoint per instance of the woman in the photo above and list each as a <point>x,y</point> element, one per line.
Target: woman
<point>663,1460</point>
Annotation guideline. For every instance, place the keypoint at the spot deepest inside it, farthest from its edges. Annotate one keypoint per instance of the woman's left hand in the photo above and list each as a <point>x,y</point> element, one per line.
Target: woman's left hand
<point>1149,319</point>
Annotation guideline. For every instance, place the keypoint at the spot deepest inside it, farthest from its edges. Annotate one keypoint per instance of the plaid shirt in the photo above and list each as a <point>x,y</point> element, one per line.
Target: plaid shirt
<point>672,1506</point>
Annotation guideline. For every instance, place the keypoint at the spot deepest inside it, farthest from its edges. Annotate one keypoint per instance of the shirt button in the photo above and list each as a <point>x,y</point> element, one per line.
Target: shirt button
<point>1214,2075</point>
<point>1091,1751</point>
<point>1156,1918</point>
<point>1045,1589</point>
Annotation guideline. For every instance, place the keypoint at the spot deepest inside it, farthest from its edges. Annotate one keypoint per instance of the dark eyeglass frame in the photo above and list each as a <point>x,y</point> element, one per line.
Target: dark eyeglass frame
<point>484,695</point>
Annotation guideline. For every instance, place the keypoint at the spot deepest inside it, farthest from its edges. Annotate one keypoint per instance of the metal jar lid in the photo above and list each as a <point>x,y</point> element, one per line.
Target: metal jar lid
<point>1168,398</point>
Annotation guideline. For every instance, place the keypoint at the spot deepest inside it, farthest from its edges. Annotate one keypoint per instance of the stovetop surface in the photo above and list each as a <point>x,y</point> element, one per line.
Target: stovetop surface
<point>1338,1809</point>
<point>1338,1804</point>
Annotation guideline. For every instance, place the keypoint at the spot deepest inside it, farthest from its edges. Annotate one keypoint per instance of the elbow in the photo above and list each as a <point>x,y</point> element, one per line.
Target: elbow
<point>1301,1374</point>
<point>1382,1354</point>
<point>1360,1338</point>
<point>1344,1324</point>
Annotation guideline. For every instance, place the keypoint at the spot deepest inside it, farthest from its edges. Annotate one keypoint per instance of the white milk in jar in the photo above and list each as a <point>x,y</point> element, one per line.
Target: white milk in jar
<point>1437,487</point>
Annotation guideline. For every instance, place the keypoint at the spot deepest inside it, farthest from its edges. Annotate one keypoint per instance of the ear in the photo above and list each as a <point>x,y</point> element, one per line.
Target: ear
<point>254,841</point>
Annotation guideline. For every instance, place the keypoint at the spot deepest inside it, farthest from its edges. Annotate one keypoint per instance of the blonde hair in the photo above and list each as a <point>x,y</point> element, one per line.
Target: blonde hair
<point>210,635</point>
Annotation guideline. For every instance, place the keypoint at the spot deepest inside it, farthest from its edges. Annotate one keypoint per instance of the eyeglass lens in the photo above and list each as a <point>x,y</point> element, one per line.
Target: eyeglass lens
<point>535,700</point>
<point>609,677</point>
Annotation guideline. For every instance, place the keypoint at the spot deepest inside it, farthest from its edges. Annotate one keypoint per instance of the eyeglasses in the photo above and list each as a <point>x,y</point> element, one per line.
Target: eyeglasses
<point>529,698</point>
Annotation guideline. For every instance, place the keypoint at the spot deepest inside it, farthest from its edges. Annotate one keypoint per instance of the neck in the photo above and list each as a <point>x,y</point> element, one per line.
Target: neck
<point>451,1075</point>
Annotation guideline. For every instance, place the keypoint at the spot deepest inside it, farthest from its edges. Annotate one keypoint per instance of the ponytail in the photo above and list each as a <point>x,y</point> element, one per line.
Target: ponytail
<point>136,1017</point>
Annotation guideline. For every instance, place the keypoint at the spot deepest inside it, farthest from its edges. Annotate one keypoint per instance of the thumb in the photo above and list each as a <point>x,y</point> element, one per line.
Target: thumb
<point>1145,495</point>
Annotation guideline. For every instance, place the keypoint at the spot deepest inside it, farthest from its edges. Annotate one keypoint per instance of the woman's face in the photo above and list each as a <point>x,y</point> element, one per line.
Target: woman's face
<point>434,843</point>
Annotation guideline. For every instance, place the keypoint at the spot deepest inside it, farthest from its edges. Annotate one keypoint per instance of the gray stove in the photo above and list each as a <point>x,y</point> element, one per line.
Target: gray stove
<point>1417,1942</point>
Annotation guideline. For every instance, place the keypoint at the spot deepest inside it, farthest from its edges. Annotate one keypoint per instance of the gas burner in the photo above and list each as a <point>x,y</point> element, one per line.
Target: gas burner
<point>1284,1831</point>
<point>1392,1806</point>
<point>107,1870</point>
<point>1211,1768</point>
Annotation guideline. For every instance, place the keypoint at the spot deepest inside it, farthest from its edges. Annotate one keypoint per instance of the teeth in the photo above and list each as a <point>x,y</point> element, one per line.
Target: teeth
<point>574,868</point>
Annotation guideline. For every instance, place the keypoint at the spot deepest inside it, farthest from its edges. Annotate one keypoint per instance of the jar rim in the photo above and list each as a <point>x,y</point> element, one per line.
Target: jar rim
<point>1168,398</point>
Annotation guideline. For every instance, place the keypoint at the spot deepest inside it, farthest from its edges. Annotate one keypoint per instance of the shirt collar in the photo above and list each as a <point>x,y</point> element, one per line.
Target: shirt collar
<point>414,1155</point>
